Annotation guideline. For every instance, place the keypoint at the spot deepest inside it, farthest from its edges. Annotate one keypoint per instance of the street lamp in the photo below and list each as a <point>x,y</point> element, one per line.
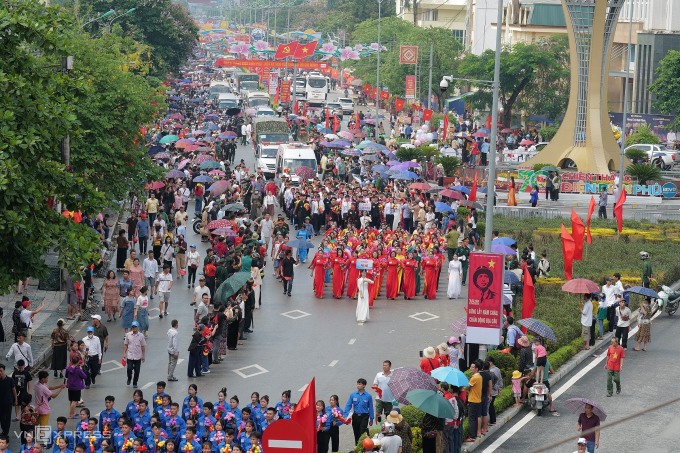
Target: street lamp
<point>377,78</point>
<point>103,16</point>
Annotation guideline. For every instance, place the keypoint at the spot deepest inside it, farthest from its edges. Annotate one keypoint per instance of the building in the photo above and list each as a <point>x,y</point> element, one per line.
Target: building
<point>451,14</point>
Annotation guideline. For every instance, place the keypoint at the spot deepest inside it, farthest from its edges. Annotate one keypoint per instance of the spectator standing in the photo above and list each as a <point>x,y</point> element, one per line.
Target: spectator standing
<point>21,351</point>
<point>383,404</point>
<point>586,308</point>
<point>134,349</point>
<point>43,395</point>
<point>26,316</point>
<point>475,401</point>
<point>8,399</point>
<point>22,379</point>
<point>361,404</point>
<point>623,315</point>
<point>173,349</point>
<point>497,380</point>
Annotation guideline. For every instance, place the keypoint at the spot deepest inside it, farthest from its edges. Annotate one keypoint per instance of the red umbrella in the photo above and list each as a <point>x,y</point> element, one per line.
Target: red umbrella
<point>203,158</point>
<point>223,232</point>
<point>305,172</point>
<point>220,223</point>
<point>480,134</point>
<point>155,185</point>
<point>507,130</point>
<point>526,142</point>
<point>581,286</point>
<point>452,194</point>
<point>219,187</point>
<point>420,186</point>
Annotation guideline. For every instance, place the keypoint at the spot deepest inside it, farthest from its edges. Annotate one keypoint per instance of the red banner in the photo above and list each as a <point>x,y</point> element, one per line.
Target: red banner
<point>285,91</point>
<point>410,90</point>
<point>305,50</point>
<point>367,88</point>
<point>485,293</point>
<point>224,63</point>
<point>264,76</point>
<point>286,50</point>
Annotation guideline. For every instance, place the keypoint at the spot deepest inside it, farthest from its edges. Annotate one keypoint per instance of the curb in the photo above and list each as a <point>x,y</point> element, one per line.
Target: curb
<point>561,373</point>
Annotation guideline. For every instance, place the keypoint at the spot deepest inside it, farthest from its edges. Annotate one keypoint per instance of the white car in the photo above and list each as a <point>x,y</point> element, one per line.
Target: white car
<point>658,155</point>
<point>264,111</point>
<point>347,105</point>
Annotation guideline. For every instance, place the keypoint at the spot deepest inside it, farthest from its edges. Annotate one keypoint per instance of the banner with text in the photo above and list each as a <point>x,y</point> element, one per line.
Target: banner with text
<point>224,63</point>
<point>485,292</point>
<point>285,91</point>
<point>410,89</point>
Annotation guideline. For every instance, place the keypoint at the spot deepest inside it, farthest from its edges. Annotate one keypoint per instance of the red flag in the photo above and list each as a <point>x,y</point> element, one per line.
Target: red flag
<point>327,118</point>
<point>385,95</point>
<point>286,50</point>
<point>304,110</point>
<point>427,114</point>
<point>577,232</point>
<point>567,252</point>
<point>473,190</point>
<point>305,414</point>
<point>296,108</point>
<point>528,295</point>
<point>618,210</point>
<point>374,92</point>
<point>305,50</point>
<point>488,121</point>
<point>336,123</point>
<point>367,89</point>
<point>399,104</point>
<point>446,127</point>
<point>591,209</point>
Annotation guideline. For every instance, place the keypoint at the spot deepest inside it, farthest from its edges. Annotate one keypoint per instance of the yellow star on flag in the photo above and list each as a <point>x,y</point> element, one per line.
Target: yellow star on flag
<point>304,50</point>
<point>492,263</point>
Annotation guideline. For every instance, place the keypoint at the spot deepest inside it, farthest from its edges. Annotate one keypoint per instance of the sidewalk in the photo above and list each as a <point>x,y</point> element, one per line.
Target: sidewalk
<point>46,321</point>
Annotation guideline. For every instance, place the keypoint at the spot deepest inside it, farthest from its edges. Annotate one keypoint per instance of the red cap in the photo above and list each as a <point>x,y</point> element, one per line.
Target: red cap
<point>26,303</point>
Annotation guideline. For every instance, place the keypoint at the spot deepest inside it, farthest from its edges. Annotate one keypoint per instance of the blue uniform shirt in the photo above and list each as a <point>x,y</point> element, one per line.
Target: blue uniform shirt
<point>70,442</point>
<point>108,417</point>
<point>362,403</point>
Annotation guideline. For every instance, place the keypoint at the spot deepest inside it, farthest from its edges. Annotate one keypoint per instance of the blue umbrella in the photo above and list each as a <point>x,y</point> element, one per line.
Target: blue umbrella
<point>641,290</point>
<point>510,278</point>
<point>462,189</point>
<point>203,179</point>
<point>450,375</point>
<point>503,249</point>
<point>379,168</point>
<point>208,139</point>
<point>155,150</point>
<point>212,127</point>
<point>323,130</point>
<point>405,175</point>
<point>442,207</point>
<point>210,164</point>
<point>504,240</point>
<point>300,244</point>
<point>364,144</point>
<point>351,152</point>
<point>538,327</point>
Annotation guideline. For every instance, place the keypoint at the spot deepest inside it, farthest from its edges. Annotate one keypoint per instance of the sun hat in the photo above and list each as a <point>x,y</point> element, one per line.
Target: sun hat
<point>395,417</point>
<point>443,349</point>
<point>582,441</point>
<point>429,353</point>
<point>453,340</point>
<point>516,374</point>
<point>523,341</point>
<point>98,317</point>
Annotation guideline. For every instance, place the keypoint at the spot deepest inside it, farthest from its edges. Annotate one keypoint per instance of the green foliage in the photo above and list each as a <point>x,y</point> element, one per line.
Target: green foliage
<point>507,363</point>
<point>548,132</point>
<point>407,154</point>
<point>412,415</point>
<point>666,85</point>
<point>643,134</point>
<point>643,172</point>
<point>395,32</point>
<point>524,69</point>
<point>338,17</point>
<point>562,355</point>
<point>450,164</point>
<point>537,167</point>
<point>636,155</point>
<point>427,153</point>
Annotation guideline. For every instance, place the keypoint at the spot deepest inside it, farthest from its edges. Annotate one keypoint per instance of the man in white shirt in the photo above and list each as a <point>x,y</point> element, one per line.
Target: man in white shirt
<point>199,291</point>
<point>173,349</point>
<point>161,223</point>
<point>93,349</point>
<point>184,193</point>
<point>244,133</point>
<point>610,291</point>
<point>26,317</point>
<point>383,404</point>
<point>164,285</point>
<point>266,230</point>
<point>269,203</point>
<point>21,351</point>
<point>150,267</point>
<point>202,308</point>
<point>586,308</point>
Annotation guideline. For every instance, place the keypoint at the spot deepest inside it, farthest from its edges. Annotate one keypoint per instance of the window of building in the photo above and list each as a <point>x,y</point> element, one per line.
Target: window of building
<point>458,35</point>
<point>431,15</point>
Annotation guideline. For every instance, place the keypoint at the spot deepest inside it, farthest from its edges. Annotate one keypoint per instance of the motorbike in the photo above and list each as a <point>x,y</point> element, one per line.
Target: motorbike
<point>668,301</point>
<point>538,398</point>
<point>196,224</point>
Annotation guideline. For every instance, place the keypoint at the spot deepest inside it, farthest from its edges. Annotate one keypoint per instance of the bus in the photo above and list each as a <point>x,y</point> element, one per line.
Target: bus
<point>317,87</point>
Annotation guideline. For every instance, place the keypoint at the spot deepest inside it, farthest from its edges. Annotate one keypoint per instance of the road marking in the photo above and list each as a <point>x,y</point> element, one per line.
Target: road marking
<point>423,316</point>
<point>147,385</point>
<point>296,314</point>
<point>333,363</point>
<point>279,443</point>
<point>154,316</point>
<point>352,341</point>
<point>245,375</point>
<point>116,366</point>
<point>563,388</point>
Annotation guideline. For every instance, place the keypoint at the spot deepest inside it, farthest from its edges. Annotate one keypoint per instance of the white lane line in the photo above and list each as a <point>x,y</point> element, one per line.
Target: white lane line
<point>563,388</point>
<point>333,363</point>
<point>352,341</point>
<point>147,385</point>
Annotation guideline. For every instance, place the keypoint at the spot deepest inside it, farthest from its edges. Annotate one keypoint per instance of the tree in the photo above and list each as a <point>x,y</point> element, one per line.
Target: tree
<point>643,134</point>
<point>520,68</point>
<point>412,4</point>
<point>666,85</point>
<point>340,15</point>
<point>643,172</point>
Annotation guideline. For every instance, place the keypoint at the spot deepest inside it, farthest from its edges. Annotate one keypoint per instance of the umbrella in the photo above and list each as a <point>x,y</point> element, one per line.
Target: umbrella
<point>220,223</point>
<point>442,207</point>
<point>155,185</point>
<point>480,134</point>
<point>233,111</point>
<point>347,135</point>
<point>450,375</point>
<point>300,244</point>
<point>305,172</point>
<point>219,187</point>
<point>581,286</point>
<point>391,163</point>
<point>212,116</point>
<point>506,130</point>
<point>175,174</point>
<point>335,145</point>
<point>359,134</point>
<point>407,146</point>
<point>203,158</point>
<point>155,150</point>
<point>351,152</point>
<point>371,157</point>
<point>419,185</point>
<point>176,116</point>
<point>323,130</point>
<point>578,406</point>
<point>212,127</point>
<point>203,178</point>
<point>404,380</point>
<point>471,204</point>
<point>526,142</point>
<point>405,175</point>
<point>431,402</point>
<point>231,286</point>
<point>451,194</point>
<point>223,232</point>
<point>216,173</point>
<point>227,134</point>
<point>162,155</point>
<point>504,249</point>
<point>538,327</point>
<point>549,168</point>
<point>641,290</point>
<point>459,326</point>
<point>503,240</point>
<point>364,144</point>
<point>168,139</point>
<point>379,168</point>
<point>234,207</point>
<point>209,164</point>
<point>461,189</point>
<point>510,278</point>
<point>183,163</point>
<point>331,137</point>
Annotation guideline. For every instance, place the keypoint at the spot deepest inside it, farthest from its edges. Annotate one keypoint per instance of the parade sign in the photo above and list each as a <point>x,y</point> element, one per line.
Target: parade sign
<point>285,90</point>
<point>364,264</point>
<point>485,293</point>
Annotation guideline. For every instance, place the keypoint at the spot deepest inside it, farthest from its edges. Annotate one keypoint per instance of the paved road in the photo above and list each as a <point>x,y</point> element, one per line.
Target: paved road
<point>648,378</point>
<point>295,338</point>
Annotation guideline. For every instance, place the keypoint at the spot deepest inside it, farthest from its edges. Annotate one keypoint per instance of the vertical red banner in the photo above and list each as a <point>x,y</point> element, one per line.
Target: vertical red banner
<point>264,76</point>
<point>485,292</point>
<point>285,91</point>
<point>410,89</point>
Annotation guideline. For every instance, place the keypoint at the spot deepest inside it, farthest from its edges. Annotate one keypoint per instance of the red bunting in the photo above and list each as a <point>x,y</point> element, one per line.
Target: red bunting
<point>591,209</point>
<point>446,127</point>
<point>618,210</point>
<point>577,232</point>
<point>568,247</point>
<point>528,295</point>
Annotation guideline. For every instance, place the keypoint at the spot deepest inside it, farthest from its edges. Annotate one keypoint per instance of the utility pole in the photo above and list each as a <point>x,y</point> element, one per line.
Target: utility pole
<point>429,80</point>
<point>66,68</point>
<point>378,91</point>
<point>625,102</point>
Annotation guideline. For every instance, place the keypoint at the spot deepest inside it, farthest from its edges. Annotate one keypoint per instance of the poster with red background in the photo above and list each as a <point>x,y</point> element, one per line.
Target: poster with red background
<point>485,292</point>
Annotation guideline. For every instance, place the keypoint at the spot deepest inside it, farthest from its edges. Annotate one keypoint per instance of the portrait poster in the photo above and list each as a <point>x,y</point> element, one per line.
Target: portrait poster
<point>485,293</point>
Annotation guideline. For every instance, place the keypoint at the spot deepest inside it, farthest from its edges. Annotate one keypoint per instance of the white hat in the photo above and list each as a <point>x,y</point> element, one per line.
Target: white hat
<point>97,317</point>
<point>429,352</point>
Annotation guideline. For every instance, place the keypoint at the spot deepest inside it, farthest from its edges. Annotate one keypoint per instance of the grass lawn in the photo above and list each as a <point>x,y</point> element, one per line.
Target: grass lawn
<point>607,254</point>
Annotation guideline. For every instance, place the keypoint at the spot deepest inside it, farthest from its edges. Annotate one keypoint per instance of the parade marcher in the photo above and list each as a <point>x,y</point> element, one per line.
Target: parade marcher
<point>134,350</point>
<point>319,264</point>
<point>363,299</point>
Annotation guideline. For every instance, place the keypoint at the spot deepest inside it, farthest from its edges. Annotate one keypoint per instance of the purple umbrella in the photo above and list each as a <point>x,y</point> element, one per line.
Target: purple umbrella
<point>503,249</point>
<point>393,162</point>
<point>404,380</point>
<point>159,156</point>
<point>578,406</point>
<point>459,326</point>
<point>183,163</point>
<point>175,174</point>
<point>202,158</point>
<point>219,187</point>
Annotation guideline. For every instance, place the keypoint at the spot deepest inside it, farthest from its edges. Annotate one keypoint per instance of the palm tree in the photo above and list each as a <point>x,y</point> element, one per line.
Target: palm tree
<point>408,5</point>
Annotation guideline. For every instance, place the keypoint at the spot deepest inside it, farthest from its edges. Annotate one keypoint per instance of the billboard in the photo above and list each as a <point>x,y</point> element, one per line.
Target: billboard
<point>485,293</point>
<point>410,89</point>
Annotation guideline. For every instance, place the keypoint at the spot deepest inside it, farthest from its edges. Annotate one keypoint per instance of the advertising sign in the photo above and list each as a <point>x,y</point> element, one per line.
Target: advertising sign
<point>410,87</point>
<point>408,54</point>
<point>485,293</point>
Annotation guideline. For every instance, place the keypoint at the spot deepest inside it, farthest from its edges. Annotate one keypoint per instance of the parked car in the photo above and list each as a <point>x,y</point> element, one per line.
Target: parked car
<point>658,155</point>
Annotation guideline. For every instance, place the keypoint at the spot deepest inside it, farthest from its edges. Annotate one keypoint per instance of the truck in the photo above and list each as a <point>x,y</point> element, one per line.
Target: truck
<point>247,82</point>
<point>293,155</point>
<point>268,134</point>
